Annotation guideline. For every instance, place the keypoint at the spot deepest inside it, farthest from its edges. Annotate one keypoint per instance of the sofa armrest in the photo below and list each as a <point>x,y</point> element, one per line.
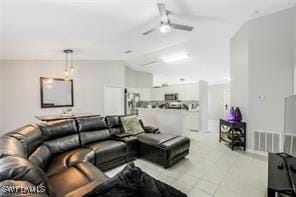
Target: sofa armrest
<point>149,129</point>
<point>119,136</point>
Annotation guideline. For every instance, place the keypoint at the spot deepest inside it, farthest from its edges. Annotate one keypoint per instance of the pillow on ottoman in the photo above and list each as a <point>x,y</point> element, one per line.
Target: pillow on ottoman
<point>133,182</point>
<point>132,125</point>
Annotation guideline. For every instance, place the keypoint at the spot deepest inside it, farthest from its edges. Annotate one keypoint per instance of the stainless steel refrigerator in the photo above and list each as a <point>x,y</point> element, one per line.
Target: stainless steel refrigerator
<point>131,102</point>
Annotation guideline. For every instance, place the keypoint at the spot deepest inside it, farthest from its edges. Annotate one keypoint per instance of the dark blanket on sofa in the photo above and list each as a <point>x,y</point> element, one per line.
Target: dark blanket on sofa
<point>131,182</point>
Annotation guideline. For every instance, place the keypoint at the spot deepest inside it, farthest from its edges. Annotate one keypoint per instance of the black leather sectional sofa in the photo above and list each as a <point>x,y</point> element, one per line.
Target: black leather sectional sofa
<point>69,157</point>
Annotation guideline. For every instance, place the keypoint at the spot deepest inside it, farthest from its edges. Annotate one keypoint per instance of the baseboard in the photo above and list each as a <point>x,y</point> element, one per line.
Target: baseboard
<point>256,152</point>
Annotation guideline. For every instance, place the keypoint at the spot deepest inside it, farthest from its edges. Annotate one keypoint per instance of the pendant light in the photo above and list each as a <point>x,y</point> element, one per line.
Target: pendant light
<point>69,67</point>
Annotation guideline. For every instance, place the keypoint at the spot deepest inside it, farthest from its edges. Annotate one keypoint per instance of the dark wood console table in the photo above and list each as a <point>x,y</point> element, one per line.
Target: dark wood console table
<point>234,133</point>
<point>280,178</point>
<point>54,117</point>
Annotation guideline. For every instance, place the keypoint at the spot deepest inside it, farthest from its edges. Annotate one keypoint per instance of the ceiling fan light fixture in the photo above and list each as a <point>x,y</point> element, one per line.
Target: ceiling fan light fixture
<point>165,28</point>
<point>174,58</point>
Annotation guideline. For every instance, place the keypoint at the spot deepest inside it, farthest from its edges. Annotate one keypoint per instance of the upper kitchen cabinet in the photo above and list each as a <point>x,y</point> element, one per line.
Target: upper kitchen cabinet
<point>145,93</point>
<point>157,94</point>
<point>186,92</point>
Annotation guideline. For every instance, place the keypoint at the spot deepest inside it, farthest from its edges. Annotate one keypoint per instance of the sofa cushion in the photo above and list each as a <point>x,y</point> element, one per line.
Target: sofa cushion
<point>30,136</point>
<point>9,146</point>
<point>176,146</point>
<point>75,177</point>
<point>69,159</point>
<point>63,144</point>
<point>131,125</point>
<point>155,139</point>
<point>91,123</point>
<point>57,129</point>
<point>114,125</point>
<point>108,150</point>
<point>92,129</point>
<point>16,168</point>
<point>41,157</point>
<point>94,136</point>
<point>132,144</point>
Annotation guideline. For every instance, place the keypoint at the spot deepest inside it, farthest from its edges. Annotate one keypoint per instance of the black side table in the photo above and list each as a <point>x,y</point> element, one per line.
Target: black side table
<point>237,132</point>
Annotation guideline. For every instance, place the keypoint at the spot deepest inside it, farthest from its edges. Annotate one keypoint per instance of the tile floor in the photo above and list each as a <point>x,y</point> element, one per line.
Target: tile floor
<point>212,170</point>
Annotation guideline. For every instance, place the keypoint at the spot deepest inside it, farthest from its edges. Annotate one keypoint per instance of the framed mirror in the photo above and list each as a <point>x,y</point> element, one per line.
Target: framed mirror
<point>56,92</point>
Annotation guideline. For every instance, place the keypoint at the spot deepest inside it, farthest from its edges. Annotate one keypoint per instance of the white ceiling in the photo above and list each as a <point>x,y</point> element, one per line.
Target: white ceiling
<point>104,29</point>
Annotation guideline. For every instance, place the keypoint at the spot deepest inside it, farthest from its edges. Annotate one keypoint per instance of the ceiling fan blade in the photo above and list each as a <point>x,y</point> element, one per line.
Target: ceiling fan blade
<point>181,27</point>
<point>162,12</point>
<point>150,31</point>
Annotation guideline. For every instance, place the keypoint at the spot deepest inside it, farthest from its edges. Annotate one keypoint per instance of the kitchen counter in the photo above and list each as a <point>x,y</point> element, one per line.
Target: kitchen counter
<point>168,110</point>
<point>173,121</point>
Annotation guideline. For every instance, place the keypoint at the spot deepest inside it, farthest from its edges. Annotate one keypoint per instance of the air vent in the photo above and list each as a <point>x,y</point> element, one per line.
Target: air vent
<point>267,141</point>
<point>290,144</point>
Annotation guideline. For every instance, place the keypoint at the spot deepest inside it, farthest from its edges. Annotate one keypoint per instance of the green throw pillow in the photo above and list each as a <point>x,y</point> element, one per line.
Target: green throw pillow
<point>131,125</point>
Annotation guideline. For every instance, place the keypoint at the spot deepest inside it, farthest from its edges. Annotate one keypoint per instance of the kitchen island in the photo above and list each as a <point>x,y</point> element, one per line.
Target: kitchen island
<point>172,121</point>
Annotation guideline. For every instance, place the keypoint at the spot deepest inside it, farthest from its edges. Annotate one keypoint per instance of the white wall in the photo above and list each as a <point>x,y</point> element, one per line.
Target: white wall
<point>136,79</point>
<point>294,33</point>
<point>203,106</point>
<point>21,96</point>
<point>216,101</point>
<point>271,69</point>
<point>1,99</point>
<point>262,65</point>
<point>239,85</point>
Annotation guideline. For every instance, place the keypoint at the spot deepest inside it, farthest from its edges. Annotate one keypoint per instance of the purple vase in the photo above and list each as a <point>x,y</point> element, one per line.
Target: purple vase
<point>238,115</point>
<point>231,115</point>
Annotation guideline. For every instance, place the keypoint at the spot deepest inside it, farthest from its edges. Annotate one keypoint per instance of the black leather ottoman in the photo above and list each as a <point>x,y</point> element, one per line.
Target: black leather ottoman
<point>164,149</point>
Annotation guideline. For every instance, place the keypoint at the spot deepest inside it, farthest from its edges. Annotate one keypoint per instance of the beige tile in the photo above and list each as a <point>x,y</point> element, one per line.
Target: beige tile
<point>213,178</point>
<point>198,193</point>
<point>188,179</point>
<point>173,174</point>
<point>206,186</point>
<point>167,179</point>
<point>210,168</point>
<point>184,187</point>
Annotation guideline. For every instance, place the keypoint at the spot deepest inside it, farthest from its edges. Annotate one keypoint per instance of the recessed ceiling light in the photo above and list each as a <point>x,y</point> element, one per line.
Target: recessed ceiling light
<point>182,79</point>
<point>228,78</point>
<point>128,51</point>
<point>176,57</point>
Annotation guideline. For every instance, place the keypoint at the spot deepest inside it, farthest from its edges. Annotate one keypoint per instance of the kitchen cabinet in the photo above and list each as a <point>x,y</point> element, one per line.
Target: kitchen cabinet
<point>157,94</point>
<point>188,92</point>
<point>172,121</point>
<point>145,93</point>
<point>192,120</point>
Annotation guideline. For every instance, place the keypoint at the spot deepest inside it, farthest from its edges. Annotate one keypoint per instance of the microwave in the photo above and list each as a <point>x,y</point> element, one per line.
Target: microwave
<point>171,97</point>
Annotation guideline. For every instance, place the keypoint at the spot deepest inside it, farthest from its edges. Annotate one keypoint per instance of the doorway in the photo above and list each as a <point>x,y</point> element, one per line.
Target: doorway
<point>113,100</point>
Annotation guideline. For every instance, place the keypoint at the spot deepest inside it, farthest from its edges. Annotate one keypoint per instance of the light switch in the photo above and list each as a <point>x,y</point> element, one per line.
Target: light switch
<point>261,97</point>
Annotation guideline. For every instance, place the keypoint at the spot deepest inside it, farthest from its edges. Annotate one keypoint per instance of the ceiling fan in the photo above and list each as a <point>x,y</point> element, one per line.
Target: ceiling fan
<point>165,23</point>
